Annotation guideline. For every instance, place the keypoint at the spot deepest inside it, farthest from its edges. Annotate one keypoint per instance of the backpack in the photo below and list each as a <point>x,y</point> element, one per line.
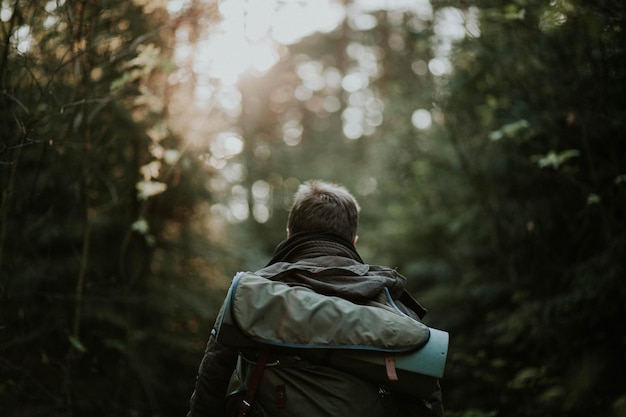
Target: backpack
<point>324,355</point>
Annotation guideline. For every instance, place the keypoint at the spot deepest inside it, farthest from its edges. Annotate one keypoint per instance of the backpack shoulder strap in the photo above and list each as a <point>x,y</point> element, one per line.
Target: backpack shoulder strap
<point>255,380</point>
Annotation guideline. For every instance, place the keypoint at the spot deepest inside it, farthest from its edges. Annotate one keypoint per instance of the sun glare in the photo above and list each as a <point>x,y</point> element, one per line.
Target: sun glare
<point>228,55</point>
<point>250,34</point>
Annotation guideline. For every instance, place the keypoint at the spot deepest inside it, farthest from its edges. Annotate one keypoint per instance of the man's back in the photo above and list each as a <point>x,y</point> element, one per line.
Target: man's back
<point>296,387</point>
<point>301,382</point>
<point>319,254</point>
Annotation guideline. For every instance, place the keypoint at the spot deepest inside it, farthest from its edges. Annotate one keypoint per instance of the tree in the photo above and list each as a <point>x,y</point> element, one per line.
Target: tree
<point>104,276</point>
<point>534,123</point>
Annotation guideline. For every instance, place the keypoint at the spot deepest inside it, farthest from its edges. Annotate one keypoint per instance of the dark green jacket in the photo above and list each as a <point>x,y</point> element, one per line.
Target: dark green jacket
<point>336,272</point>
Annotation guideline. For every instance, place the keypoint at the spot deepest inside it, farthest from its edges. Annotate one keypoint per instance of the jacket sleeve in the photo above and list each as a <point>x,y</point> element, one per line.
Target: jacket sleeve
<point>214,373</point>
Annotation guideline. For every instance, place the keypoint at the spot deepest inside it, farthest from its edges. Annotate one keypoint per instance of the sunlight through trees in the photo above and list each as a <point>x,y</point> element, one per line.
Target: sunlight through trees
<point>149,150</point>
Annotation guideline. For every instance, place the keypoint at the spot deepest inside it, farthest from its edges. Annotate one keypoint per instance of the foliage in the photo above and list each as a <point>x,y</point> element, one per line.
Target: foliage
<point>483,141</point>
<point>532,117</point>
<point>103,264</point>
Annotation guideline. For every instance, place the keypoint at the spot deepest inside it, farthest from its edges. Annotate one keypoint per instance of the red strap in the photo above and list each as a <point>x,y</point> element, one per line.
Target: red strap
<point>255,380</point>
<point>390,365</point>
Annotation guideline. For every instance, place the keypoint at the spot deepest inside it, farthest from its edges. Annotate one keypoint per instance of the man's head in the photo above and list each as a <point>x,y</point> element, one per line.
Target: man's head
<point>321,206</point>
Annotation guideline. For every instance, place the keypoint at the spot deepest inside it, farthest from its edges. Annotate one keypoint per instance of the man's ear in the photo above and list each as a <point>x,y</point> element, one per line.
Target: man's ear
<point>355,240</point>
<point>288,233</point>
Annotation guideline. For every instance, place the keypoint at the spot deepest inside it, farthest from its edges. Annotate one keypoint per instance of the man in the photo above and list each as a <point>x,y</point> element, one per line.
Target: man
<point>321,235</point>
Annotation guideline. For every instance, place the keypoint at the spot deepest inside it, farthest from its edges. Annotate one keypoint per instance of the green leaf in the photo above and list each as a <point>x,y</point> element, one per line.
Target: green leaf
<point>77,344</point>
<point>554,159</point>
<point>510,130</point>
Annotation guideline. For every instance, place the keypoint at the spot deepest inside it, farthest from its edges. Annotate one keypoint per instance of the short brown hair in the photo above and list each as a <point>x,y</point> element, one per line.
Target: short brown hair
<point>321,206</point>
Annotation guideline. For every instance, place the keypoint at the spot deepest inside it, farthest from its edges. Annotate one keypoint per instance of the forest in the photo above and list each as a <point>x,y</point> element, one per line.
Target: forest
<point>149,150</point>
